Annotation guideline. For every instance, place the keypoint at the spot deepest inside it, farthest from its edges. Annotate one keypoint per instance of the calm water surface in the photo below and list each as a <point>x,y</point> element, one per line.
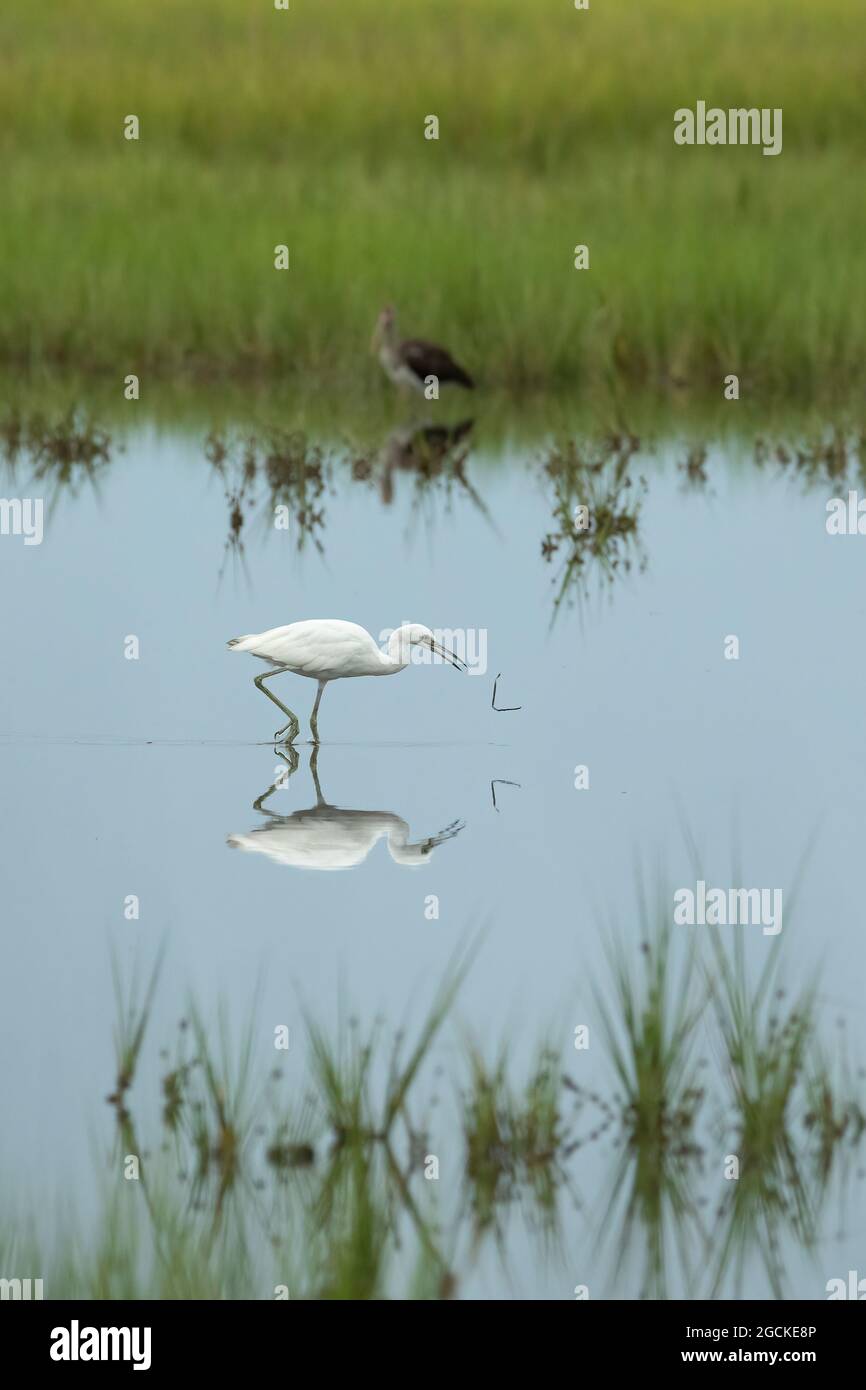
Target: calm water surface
<point>140,777</point>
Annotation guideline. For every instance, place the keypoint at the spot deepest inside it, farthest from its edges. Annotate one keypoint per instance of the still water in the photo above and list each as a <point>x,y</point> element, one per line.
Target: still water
<point>359,877</point>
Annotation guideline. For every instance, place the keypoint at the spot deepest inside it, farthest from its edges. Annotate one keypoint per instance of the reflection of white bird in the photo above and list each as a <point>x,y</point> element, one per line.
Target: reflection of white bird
<point>328,649</point>
<point>327,837</point>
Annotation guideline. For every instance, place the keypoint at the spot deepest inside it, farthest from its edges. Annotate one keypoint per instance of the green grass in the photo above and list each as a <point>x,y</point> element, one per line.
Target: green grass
<point>313,1176</point>
<point>514,1138</point>
<point>650,1016</point>
<point>604,538</point>
<point>767,1044</point>
<point>261,127</point>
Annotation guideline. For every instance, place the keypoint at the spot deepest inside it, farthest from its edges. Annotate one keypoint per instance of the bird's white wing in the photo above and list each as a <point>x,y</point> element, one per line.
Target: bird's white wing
<point>320,647</point>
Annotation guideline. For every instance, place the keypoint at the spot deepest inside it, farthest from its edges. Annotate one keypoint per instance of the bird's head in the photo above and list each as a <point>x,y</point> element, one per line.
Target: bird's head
<point>384,327</point>
<point>417,635</point>
<point>412,856</point>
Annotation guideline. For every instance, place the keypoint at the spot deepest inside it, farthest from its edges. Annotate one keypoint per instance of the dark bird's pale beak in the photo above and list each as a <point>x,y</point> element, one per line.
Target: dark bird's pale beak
<point>456,661</point>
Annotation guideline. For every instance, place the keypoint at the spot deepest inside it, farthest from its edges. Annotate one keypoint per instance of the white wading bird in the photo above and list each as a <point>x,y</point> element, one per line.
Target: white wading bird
<point>328,649</point>
<point>410,361</point>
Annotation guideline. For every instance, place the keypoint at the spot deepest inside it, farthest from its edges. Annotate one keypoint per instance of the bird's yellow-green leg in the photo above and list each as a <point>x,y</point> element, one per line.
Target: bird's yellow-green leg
<point>314,769</point>
<point>314,722</point>
<point>291,759</point>
<point>293,724</point>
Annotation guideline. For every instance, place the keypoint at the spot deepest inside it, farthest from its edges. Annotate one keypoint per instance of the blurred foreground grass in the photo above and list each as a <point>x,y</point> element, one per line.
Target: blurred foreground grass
<point>375,1176</point>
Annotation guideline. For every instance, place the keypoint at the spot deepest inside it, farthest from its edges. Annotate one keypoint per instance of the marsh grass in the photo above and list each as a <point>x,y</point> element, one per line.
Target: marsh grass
<point>693,467</point>
<point>343,1071</point>
<point>361,415</point>
<point>515,1139</point>
<point>829,458</point>
<point>245,1190</point>
<point>222,1109</point>
<point>650,1015</point>
<point>275,466</point>
<point>767,1043</point>
<point>835,1108</point>
<point>595,475</point>
<point>650,1028</point>
<point>133,1007</point>
<point>62,453</point>
<point>307,127</point>
<point>261,472</point>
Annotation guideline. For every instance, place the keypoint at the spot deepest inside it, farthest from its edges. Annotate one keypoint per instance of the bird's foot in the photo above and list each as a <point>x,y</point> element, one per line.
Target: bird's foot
<point>290,730</point>
<point>291,756</point>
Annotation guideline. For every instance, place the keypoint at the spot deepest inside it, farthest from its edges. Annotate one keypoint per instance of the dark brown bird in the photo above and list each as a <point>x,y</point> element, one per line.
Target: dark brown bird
<point>412,362</point>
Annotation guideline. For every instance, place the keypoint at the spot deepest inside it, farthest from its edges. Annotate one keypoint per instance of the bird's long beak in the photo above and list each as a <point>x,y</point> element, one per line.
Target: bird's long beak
<point>376,338</point>
<point>456,661</point>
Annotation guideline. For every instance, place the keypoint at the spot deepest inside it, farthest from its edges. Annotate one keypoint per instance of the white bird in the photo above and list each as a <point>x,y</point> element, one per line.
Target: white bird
<point>328,649</point>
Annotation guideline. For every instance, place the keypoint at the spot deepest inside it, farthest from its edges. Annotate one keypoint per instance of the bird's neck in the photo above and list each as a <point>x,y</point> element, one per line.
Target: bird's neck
<point>388,346</point>
<point>400,848</point>
<point>397,652</point>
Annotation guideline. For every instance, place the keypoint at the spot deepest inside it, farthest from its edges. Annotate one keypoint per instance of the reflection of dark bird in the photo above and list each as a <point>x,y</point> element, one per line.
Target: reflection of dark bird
<point>329,837</point>
<point>409,363</point>
<point>424,447</point>
<point>435,440</point>
<point>426,450</point>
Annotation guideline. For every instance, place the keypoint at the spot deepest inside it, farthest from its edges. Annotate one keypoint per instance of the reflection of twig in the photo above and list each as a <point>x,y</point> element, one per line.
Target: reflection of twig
<point>502,709</point>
